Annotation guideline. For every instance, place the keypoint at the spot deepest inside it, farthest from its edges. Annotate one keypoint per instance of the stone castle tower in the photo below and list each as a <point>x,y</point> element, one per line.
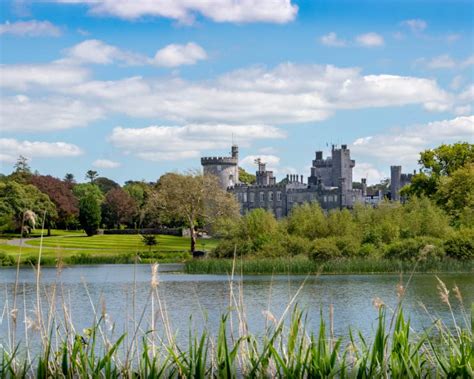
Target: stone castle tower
<point>225,168</point>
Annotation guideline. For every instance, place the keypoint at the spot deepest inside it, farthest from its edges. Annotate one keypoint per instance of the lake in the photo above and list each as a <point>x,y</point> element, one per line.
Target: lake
<point>123,292</point>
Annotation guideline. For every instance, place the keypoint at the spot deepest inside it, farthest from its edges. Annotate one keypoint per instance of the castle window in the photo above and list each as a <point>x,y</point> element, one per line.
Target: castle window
<point>219,167</point>
<point>262,197</point>
<point>245,197</point>
<point>278,196</point>
<point>252,197</point>
<point>270,196</point>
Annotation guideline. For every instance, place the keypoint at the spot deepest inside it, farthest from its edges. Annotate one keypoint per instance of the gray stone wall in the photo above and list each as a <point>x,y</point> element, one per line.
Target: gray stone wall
<point>224,168</point>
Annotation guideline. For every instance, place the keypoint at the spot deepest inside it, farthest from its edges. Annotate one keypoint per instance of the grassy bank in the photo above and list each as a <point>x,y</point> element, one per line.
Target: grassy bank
<point>303,265</point>
<point>76,248</point>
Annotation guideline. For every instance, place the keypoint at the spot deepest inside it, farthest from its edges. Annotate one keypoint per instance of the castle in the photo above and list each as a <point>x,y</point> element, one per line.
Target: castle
<point>329,183</point>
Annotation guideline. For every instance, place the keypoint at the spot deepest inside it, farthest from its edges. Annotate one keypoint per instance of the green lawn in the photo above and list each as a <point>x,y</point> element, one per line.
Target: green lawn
<point>76,247</point>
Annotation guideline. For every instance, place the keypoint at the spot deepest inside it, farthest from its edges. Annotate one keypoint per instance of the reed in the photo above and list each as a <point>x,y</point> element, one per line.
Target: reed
<point>303,266</point>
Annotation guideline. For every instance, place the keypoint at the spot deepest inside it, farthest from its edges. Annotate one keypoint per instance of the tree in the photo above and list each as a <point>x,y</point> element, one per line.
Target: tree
<point>105,184</point>
<point>140,192</point>
<point>437,163</point>
<point>118,208</point>
<point>69,179</point>
<point>22,170</point>
<point>196,198</point>
<point>89,214</point>
<point>91,175</point>
<point>149,240</point>
<point>83,189</point>
<point>61,195</point>
<point>16,199</point>
<point>245,177</point>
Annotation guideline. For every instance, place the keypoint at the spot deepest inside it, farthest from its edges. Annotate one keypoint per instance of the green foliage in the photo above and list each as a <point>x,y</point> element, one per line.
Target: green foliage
<point>89,213</point>
<point>460,245</point>
<point>149,240</point>
<point>88,189</point>
<point>308,221</point>
<point>325,249</point>
<point>414,249</point>
<point>6,260</point>
<point>245,177</point>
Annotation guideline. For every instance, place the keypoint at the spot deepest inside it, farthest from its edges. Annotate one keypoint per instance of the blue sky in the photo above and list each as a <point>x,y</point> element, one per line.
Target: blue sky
<point>134,89</point>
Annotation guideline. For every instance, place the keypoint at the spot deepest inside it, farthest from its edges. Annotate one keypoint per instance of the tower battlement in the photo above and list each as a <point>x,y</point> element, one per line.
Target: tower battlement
<point>219,161</point>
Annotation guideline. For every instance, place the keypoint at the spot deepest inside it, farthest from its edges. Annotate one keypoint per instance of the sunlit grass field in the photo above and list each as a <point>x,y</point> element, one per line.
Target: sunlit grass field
<point>76,247</point>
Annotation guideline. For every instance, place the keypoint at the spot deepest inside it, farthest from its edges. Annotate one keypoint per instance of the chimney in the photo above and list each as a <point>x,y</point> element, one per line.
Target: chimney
<point>301,179</point>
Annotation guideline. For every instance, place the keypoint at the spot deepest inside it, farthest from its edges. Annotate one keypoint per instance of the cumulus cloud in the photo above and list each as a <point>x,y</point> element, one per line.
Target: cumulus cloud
<point>98,52</point>
<point>156,143</point>
<point>289,93</point>
<point>404,145</point>
<point>105,163</point>
<point>32,28</point>
<point>370,40</point>
<point>367,171</point>
<point>11,149</point>
<point>52,75</point>
<point>331,39</point>
<point>21,114</point>
<point>185,11</point>
<point>445,61</point>
<point>415,25</point>
<point>176,55</point>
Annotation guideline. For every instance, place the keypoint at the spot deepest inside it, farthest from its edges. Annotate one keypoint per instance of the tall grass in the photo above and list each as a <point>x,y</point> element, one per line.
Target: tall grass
<point>303,265</point>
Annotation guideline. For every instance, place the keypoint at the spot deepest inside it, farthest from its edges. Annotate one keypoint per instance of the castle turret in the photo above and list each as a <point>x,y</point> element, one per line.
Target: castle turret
<point>395,182</point>
<point>225,168</point>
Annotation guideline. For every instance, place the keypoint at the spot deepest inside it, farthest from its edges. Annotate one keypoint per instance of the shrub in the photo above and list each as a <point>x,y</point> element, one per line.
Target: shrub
<point>367,250</point>
<point>347,246</point>
<point>325,249</point>
<point>296,245</point>
<point>460,245</point>
<point>6,260</point>
<point>412,249</point>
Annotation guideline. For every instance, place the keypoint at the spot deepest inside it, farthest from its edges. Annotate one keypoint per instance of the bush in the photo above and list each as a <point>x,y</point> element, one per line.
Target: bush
<point>296,245</point>
<point>347,246</point>
<point>325,249</point>
<point>412,249</point>
<point>367,250</point>
<point>460,245</point>
<point>6,260</point>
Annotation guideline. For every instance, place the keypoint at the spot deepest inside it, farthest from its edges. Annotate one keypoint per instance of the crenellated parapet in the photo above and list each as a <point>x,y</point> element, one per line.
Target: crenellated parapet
<point>219,161</point>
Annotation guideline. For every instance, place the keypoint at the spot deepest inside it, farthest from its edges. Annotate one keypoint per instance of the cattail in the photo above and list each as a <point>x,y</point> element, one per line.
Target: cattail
<point>443,291</point>
<point>154,275</point>
<point>378,303</point>
<point>400,290</point>
<point>14,314</point>
<point>457,293</point>
<point>269,316</point>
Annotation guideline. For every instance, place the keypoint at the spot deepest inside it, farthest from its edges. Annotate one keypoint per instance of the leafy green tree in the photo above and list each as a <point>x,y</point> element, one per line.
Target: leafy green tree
<point>89,214</point>
<point>83,189</point>
<point>22,170</point>
<point>118,208</point>
<point>246,177</point>
<point>16,199</point>
<point>437,163</point>
<point>308,220</point>
<point>149,240</point>
<point>69,179</point>
<point>195,198</point>
<point>456,195</point>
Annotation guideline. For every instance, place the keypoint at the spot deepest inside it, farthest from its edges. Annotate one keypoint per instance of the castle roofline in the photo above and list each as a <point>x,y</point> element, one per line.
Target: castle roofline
<point>219,160</point>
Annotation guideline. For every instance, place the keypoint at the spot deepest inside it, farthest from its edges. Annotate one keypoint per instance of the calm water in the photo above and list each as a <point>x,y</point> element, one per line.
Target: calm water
<point>206,297</point>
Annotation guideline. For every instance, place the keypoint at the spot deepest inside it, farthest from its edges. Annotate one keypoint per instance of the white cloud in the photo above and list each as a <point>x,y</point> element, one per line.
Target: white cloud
<point>404,145</point>
<point>32,28</point>
<point>158,143</point>
<point>21,114</point>
<point>185,11</point>
<point>98,52</point>
<point>11,149</point>
<point>370,40</point>
<point>445,61</point>
<point>105,163</point>
<point>367,171</point>
<point>176,55</point>
<point>289,93</point>
<point>415,25</point>
<point>51,76</point>
<point>331,39</point>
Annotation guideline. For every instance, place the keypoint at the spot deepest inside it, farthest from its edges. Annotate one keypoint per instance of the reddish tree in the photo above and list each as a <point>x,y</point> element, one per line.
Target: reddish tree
<point>61,195</point>
<point>118,208</point>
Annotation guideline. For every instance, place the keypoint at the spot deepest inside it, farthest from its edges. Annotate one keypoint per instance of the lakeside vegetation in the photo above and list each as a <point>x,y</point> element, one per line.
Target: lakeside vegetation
<point>286,347</point>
